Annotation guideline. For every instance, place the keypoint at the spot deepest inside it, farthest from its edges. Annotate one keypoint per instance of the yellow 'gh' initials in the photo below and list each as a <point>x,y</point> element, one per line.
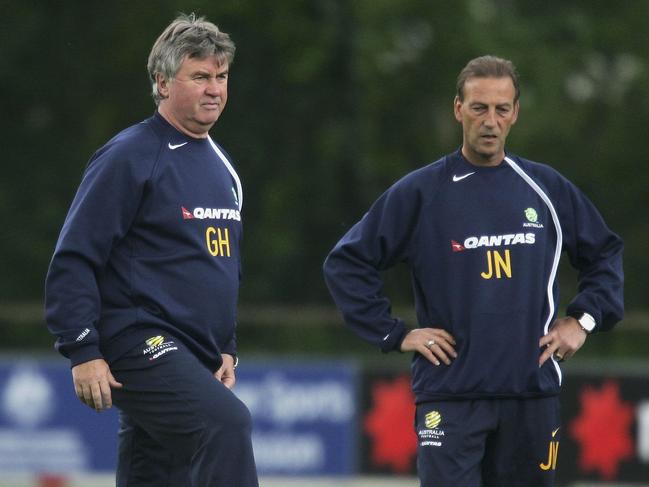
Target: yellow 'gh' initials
<point>219,245</point>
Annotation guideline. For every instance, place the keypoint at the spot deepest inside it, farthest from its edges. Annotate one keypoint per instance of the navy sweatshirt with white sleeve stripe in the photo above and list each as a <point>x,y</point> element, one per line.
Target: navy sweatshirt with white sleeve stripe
<point>151,241</point>
<point>483,246</point>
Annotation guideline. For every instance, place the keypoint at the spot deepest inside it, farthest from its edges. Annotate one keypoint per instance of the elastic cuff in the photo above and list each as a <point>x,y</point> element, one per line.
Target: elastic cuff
<point>392,341</point>
<point>85,354</point>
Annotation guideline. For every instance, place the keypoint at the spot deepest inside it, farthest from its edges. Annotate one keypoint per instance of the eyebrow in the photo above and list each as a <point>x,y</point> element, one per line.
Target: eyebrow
<point>483,104</point>
<point>206,72</point>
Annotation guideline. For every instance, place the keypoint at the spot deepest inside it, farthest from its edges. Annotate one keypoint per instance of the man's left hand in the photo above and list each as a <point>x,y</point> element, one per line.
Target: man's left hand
<point>226,373</point>
<point>563,340</point>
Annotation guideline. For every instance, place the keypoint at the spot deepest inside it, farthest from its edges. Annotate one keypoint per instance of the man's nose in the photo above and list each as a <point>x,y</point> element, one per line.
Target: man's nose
<point>490,118</point>
<point>214,86</point>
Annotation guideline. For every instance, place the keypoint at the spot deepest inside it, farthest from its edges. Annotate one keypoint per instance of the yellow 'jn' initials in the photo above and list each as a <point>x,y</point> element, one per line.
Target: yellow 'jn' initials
<point>553,453</point>
<point>219,245</point>
<point>499,264</point>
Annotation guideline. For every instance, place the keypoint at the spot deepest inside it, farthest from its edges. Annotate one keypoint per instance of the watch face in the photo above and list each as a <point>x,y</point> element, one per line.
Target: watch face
<point>587,322</point>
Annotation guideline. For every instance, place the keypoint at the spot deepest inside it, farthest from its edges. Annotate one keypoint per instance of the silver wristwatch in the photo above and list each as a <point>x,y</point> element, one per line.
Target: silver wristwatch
<point>587,322</point>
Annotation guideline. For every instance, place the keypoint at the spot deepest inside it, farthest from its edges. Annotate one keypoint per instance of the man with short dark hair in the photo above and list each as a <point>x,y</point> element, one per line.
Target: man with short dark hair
<point>482,231</point>
<point>142,288</point>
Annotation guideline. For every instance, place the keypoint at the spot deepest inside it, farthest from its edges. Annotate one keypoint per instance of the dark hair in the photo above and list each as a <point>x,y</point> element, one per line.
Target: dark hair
<point>488,67</point>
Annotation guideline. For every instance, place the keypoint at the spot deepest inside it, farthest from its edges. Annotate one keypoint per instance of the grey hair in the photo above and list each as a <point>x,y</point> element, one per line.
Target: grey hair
<point>488,67</point>
<point>186,36</point>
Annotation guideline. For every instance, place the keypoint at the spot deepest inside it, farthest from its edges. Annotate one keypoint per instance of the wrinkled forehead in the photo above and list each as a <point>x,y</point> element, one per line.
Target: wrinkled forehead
<point>211,62</point>
<point>219,58</point>
<point>491,89</point>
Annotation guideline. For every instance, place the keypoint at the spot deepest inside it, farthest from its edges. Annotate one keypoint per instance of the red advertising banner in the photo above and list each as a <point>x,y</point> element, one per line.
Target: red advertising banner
<point>606,426</point>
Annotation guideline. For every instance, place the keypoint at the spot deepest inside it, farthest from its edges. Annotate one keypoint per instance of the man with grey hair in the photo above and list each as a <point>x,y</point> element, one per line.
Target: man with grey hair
<point>482,231</point>
<point>142,288</point>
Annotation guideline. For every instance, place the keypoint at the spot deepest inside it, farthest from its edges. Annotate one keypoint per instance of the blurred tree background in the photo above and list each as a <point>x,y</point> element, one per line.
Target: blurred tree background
<point>330,102</point>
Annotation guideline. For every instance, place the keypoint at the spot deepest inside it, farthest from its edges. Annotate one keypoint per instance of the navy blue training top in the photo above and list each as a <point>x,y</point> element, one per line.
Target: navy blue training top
<point>151,241</point>
<point>483,245</point>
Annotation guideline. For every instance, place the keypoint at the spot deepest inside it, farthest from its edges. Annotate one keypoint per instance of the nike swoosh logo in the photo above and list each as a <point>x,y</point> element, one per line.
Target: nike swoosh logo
<point>555,431</point>
<point>460,178</point>
<point>175,146</point>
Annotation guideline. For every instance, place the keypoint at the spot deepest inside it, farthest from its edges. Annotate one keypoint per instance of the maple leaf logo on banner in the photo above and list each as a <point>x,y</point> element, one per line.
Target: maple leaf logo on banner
<point>602,430</point>
<point>389,423</point>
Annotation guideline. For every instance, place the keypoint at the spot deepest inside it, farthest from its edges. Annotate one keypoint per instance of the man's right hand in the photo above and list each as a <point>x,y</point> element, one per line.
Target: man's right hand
<point>92,383</point>
<point>433,343</point>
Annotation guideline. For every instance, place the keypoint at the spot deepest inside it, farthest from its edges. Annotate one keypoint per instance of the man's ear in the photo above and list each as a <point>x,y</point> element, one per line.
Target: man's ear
<point>517,107</point>
<point>163,85</point>
<point>457,108</point>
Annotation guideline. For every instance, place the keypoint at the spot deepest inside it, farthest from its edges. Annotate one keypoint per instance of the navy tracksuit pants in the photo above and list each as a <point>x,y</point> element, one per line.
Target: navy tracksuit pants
<point>488,442</point>
<point>179,426</point>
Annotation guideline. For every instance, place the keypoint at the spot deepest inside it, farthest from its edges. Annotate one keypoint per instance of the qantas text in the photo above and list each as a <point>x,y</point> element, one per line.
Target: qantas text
<point>211,214</point>
<point>499,240</point>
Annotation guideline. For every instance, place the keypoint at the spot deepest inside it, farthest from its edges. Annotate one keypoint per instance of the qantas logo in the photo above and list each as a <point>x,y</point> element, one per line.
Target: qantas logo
<point>457,247</point>
<point>493,241</point>
<point>211,214</point>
